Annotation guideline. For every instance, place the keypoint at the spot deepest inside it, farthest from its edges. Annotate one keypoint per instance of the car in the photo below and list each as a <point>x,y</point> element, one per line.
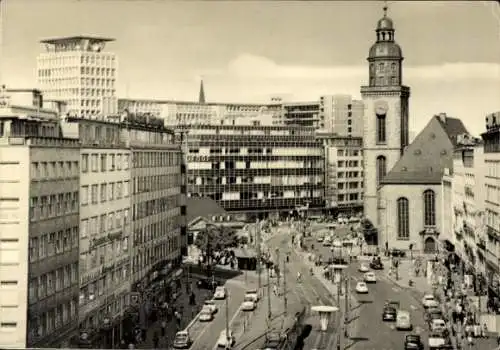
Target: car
<point>370,277</point>
<point>273,342</point>
<point>376,263</point>
<point>220,293</point>
<point>210,304</point>
<point>206,314</point>
<point>207,283</point>
<point>319,239</point>
<point>249,303</point>
<point>337,243</point>
<point>429,301</point>
<point>389,313</point>
<point>327,242</point>
<point>253,293</point>
<point>403,320</point>
<point>437,341</point>
<point>413,342</point>
<point>397,253</point>
<point>182,340</point>
<point>433,313</point>
<point>363,268</point>
<point>438,325</point>
<point>226,339</point>
<point>361,288</point>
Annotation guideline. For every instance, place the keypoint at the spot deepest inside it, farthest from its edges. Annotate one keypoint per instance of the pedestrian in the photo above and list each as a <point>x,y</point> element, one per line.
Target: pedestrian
<point>484,331</point>
<point>156,340</point>
<point>163,328</point>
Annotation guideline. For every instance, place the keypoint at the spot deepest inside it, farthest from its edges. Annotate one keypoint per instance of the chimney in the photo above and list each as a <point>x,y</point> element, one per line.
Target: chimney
<point>442,116</point>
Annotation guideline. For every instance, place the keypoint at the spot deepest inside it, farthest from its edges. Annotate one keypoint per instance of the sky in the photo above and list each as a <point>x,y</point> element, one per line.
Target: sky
<point>247,51</point>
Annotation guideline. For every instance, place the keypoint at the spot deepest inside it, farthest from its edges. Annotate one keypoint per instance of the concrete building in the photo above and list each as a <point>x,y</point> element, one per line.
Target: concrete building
<point>39,225</point>
<point>410,198</point>
<point>385,134</point>
<point>105,223</point>
<point>343,173</point>
<point>78,71</point>
<point>255,170</point>
<point>469,218</point>
<point>491,139</point>
<point>304,113</point>
<point>341,114</point>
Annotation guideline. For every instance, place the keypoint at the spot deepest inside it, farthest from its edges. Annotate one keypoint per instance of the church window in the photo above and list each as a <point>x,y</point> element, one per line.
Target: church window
<point>381,168</point>
<point>429,208</point>
<point>394,81</point>
<point>380,67</point>
<point>381,128</point>
<point>403,219</point>
<point>393,67</point>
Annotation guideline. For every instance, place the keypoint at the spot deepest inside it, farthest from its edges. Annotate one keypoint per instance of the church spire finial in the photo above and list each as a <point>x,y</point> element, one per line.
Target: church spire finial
<point>385,8</point>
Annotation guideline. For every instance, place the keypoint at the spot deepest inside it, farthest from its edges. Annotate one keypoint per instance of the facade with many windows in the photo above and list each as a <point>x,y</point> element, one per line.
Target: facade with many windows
<point>253,170</point>
<point>105,221</point>
<point>343,172</point>
<point>39,186</point>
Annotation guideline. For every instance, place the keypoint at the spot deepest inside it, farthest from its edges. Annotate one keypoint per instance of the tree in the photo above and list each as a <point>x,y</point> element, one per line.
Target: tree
<point>215,238</point>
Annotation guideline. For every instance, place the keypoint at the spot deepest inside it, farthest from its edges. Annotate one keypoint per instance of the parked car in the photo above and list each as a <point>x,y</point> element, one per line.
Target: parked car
<point>429,301</point>
<point>253,293</point>
<point>210,304</point>
<point>182,340</point>
<point>437,326</point>
<point>397,253</point>
<point>413,342</point>
<point>370,277</point>
<point>361,288</point>
<point>433,313</point>
<point>249,303</point>
<point>220,293</point>
<point>437,341</point>
<point>363,268</point>
<point>403,320</point>
<point>389,313</point>
<point>206,314</point>
<point>226,340</point>
<point>207,283</point>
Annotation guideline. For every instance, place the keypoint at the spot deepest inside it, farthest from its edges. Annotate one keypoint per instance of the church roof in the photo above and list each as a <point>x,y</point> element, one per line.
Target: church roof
<point>424,161</point>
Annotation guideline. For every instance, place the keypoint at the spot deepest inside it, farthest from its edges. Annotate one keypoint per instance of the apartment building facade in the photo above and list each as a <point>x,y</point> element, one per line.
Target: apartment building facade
<point>78,71</point>
<point>341,114</point>
<point>491,139</point>
<point>39,193</point>
<point>343,164</point>
<point>255,170</point>
<point>105,224</point>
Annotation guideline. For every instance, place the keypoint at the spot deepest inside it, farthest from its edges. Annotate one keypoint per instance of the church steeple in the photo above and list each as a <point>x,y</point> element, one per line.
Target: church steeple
<point>201,98</point>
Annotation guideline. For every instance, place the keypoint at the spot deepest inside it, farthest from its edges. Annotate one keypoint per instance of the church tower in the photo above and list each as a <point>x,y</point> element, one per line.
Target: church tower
<point>385,133</point>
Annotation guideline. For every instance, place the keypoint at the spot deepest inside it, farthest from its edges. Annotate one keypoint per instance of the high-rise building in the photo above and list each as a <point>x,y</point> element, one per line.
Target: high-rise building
<point>39,226</point>
<point>385,123</point>
<point>255,170</point>
<point>343,171</point>
<point>78,71</point>
<point>305,113</point>
<point>105,223</point>
<point>342,115</point>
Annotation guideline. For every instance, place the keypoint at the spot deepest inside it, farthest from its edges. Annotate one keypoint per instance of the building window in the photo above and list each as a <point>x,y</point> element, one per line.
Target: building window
<point>381,168</point>
<point>403,219</point>
<point>429,208</point>
<point>85,163</point>
<point>381,132</point>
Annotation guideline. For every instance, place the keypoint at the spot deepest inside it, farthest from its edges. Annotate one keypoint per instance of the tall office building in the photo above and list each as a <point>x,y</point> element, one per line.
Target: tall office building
<point>342,115</point>
<point>78,71</point>
<point>39,181</point>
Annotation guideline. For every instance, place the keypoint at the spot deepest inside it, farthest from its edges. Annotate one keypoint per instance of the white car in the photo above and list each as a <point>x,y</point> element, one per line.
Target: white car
<point>226,340</point>
<point>249,303</point>
<point>210,304</point>
<point>206,314</point>
<point>253,294</point>
<point>319,239</point>
<point>436,341</point>
<point>429,301</point>
<point>337,243</point>
<point>364,268</point>
<point>370,277</point>
<point>327,242</point>
<point>220,293</point>
<point>438,325</point>
<point>361,288</point>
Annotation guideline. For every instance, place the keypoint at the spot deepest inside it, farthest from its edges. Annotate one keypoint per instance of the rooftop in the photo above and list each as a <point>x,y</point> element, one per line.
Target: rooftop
<point>425,159</point>
<point>70,39</point>
<point>202,206</point>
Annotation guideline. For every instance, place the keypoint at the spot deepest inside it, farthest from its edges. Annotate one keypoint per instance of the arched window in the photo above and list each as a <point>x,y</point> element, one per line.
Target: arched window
<point>381,168</point>
<point>429,208</point>
<point>393,67</point>
<point>403,218</point>
<point>381,131</point>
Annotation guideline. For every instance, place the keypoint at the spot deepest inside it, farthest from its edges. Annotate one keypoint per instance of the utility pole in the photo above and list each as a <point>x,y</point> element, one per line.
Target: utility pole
<point>346,312</point>
<point>278,264</point>
<point>259,257</point>
<point>269,311</point>
<point>285,291</point>
<point>339,318</point>
<point>228,339</point>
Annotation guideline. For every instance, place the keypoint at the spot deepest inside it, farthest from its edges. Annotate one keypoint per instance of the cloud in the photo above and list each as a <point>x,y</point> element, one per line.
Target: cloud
<point>253,67</point>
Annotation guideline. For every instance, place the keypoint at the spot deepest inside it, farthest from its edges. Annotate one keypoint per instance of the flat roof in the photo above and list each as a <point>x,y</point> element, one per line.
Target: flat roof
<point>75,38</point>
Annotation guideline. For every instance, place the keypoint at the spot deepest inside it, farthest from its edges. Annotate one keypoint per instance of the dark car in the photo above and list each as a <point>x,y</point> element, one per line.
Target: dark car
<point>389,314</point>
<point>397,253</point>
<point>207,283</point>
<point>413,342</point>
<point>376,263</point>
<point>434,314</point>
